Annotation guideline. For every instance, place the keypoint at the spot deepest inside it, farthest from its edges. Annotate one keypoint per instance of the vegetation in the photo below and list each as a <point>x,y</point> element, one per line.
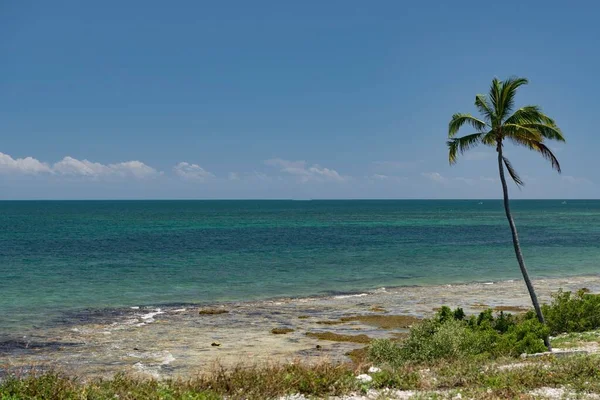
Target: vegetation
<point>450,336</point>
<point>579,374</point>
<point>528,126</point>
<point>261,382</point>
<point>573,313</point>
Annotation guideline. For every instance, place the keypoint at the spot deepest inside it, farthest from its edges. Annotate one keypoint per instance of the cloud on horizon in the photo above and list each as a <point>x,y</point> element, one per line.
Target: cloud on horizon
<point>73,167</point>
<point>305,173</point>
<point>29,177</point>
<point>192,171</point>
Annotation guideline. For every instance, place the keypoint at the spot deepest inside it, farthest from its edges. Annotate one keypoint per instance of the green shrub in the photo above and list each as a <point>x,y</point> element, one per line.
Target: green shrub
<point>448,336</point>
<point>572,313</point>
<point>524,337</point>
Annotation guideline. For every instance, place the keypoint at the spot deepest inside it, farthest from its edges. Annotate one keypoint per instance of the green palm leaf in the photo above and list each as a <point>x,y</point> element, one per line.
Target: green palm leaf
<point>463,144</point>
<point>520,132</point>
<point>513,174</point>
<point>529,114</point>
<point>540,148</point>
<point>484,107</point>
<point>508,92</point>
<point>458,120</point>
<point>552,132</point>
<point>495,98</point>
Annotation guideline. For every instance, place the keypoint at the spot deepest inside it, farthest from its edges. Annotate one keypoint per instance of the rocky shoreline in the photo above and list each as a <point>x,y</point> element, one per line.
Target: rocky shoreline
<point>180,340</point>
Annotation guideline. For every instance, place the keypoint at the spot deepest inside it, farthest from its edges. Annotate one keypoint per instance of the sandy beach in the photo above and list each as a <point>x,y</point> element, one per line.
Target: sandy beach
<point>179,341</point>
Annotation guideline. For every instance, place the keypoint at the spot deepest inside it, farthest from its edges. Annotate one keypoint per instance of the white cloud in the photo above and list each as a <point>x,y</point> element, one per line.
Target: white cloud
<point>27,165</point>
<point>380,177</point>
<point>306,174</point>
<point>70,166</point>
<point>134,168</point>
<point>74,167</point>
<point>234,176</point>
<point>192,171</point>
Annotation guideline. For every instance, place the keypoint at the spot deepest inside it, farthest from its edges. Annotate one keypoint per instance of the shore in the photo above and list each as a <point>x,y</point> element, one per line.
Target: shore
<point>180,340</point>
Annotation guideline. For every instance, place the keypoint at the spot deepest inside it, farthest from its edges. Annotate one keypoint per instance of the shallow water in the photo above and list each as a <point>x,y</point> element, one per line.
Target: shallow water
<point>61,260</point>
<point>177,341</point>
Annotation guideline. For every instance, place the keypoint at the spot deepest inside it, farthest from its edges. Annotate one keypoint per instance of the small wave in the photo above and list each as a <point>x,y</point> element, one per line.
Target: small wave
<point>347,296</point>
<point>149,317</point>
<point>488,283</point>
<point>152,371</point>
<point>168,359</point>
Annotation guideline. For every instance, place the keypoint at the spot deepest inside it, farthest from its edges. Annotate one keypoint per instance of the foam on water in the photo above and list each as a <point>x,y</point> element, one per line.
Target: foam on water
<point>347,296</point>
<point>149,317</point>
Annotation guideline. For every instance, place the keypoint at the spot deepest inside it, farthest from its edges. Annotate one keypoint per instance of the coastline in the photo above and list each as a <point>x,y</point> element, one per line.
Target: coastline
<point>176,340</point>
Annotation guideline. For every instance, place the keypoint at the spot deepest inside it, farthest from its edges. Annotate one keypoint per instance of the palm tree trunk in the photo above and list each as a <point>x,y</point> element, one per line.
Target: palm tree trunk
<point>517,246</point>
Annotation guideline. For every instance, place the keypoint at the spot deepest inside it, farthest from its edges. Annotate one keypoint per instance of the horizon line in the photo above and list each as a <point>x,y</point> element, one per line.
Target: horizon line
<point>310,199</point>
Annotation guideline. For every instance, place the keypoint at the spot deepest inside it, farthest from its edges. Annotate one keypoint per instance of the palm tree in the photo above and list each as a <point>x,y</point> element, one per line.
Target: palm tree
<point>528,126</point>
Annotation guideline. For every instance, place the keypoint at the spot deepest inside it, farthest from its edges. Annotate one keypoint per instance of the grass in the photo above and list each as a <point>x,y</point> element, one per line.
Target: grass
<point>576,339</point>
<point>259,382</point>
<point>473,379</point>
<point>336,337</point>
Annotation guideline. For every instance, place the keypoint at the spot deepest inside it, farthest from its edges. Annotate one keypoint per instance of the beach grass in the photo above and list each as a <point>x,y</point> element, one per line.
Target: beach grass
<point>483,379</point>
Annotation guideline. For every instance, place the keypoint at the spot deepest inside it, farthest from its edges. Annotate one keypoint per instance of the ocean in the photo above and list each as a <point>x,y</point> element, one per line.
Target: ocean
<point>58,258</point>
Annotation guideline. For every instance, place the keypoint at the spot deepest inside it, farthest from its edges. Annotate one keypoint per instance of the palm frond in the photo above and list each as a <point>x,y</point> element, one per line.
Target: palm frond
<point>529,115</point>
<point>513,174</point>
<point>541,148</point>
<point>548,155</point>
<point>495,98</point>
<point>513,131</point>
<point>507,96</point>
<point>490,138</point>
<point>548,131</point>
<point>460,119</point>
<point>484,107</point>
<point>462,144</point>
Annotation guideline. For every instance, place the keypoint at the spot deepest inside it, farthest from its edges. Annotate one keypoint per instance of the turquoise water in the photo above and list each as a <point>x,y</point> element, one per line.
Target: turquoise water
<point>63,256</point>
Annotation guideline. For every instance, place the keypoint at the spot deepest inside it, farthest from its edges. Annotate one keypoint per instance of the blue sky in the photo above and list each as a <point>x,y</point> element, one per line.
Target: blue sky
<point>272,99</point>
